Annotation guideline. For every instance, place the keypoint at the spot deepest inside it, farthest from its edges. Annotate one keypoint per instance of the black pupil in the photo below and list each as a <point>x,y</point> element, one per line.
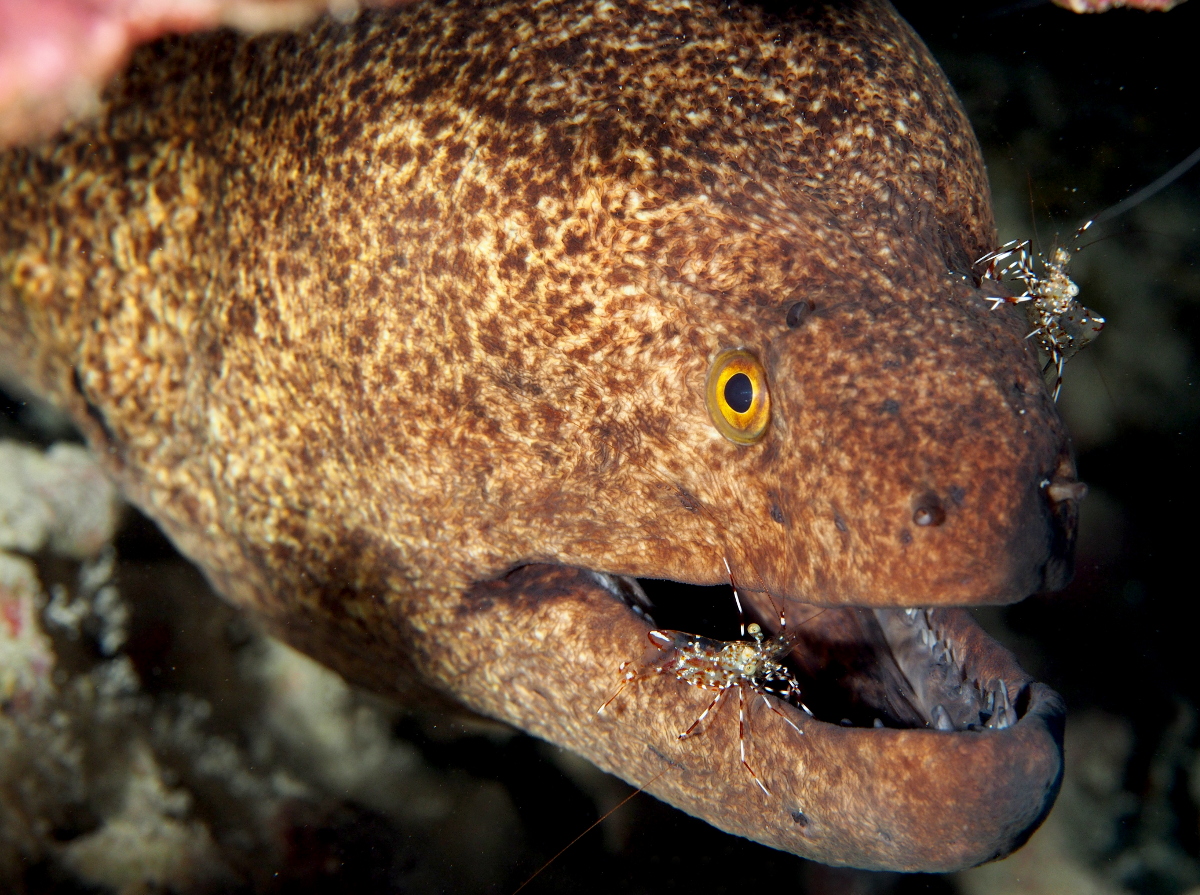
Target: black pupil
<point>739,392</point>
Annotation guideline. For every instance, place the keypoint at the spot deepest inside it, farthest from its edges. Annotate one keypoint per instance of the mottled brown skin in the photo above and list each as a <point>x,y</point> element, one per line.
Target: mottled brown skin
<point>369,316</point>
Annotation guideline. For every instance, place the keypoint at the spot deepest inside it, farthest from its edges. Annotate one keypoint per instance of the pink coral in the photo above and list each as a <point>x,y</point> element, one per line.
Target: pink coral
<point>1105,5</point>
<point>55,55</point>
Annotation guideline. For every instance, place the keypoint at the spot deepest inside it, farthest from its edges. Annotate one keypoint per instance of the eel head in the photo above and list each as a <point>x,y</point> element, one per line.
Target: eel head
<point>417,362</point>
<point>913,459</point>
<point>911,455</point>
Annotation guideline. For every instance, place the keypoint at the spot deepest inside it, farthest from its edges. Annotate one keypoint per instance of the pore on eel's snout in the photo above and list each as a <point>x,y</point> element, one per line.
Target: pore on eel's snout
<point>966,763</point>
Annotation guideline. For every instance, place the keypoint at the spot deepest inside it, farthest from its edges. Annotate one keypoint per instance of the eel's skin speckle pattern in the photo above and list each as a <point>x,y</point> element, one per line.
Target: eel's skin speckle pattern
<point>370,315</point>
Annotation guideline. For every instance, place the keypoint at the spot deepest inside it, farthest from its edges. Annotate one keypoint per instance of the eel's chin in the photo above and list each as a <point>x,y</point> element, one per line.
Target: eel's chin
<point>928,748</point>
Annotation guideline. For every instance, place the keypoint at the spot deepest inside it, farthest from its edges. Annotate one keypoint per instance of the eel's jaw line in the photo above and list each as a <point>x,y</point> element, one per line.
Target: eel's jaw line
<point>904,764</point>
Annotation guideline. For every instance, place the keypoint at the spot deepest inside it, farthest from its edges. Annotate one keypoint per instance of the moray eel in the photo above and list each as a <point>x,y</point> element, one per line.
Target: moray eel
<point>403,328</point>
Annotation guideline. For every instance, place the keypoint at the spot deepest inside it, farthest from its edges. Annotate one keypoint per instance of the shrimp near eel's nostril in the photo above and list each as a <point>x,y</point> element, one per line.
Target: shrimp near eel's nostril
<point>1061,326</point>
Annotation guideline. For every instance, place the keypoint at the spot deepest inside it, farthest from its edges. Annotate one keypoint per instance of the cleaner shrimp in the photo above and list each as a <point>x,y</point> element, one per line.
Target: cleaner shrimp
<point>720,665</point>
<point>1060,324</point>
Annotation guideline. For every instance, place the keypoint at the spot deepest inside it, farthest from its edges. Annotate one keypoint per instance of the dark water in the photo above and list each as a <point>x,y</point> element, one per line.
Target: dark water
<point>1073,113</point>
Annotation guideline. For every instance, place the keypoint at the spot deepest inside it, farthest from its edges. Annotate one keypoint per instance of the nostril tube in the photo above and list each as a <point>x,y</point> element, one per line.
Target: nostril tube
<point>1063,493</point>
<point>929,511</point>
<point>1061,490</point>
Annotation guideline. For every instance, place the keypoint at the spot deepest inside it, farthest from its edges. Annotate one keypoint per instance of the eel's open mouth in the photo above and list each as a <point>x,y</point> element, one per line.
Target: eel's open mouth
<point>896,668</point>
<point>928,749</point>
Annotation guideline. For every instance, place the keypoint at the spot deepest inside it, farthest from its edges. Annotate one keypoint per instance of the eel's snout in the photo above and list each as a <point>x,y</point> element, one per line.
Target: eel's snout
<point>931,468</point>
<point>1041,545</point>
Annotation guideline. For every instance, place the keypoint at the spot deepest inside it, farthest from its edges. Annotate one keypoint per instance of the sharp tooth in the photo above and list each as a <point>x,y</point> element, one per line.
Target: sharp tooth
<point>877,723</point>
<point>947,656</point>
<point>1004,717</point>
<point>626,588</point>
<point>941,718</point>
<point>638,610</point>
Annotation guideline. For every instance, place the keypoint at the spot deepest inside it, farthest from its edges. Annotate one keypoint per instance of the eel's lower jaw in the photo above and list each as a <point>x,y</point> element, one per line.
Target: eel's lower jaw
<point>889,789</point>
<point>890,687</point>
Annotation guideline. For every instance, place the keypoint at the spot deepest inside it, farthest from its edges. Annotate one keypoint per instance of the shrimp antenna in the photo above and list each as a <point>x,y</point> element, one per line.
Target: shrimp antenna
<point>1033,213</point>
<point>1011,8</point>
<point>781,608</point>
<point>1149,189</point>
<point>601,819</point>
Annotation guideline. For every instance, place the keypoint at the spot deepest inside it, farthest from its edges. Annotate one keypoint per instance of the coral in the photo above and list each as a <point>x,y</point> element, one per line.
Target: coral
<point>55,55</point>
<point>60,500</point>
<point>1105,5</point>
<point>150,740</point>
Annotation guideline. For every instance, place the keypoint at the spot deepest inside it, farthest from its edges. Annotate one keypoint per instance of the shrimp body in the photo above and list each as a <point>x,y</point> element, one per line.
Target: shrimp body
<point>722,665</point>
<point>1060,324</point>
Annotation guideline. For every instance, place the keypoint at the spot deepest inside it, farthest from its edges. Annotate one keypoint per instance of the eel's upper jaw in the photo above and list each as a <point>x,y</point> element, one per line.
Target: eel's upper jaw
<point>937,472</point>
<point>965,765</point>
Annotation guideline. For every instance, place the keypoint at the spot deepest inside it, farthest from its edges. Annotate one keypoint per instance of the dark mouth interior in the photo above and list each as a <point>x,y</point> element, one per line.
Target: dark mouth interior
<point>898,668</point>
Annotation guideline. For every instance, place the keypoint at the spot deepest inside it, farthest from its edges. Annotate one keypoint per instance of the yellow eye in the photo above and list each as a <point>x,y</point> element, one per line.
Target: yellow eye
<point>737,396</point>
